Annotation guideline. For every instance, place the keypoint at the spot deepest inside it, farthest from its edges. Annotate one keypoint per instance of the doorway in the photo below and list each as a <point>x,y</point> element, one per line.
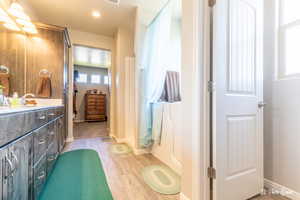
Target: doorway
<point>91,97</point>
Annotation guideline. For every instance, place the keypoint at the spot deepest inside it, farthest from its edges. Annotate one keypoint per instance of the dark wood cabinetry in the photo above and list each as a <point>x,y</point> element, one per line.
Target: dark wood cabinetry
<point>95,107</point>
<point>26,162</point>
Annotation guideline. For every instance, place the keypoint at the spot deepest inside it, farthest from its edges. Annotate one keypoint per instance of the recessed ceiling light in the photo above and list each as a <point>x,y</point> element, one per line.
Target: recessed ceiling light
<point>96,14</point>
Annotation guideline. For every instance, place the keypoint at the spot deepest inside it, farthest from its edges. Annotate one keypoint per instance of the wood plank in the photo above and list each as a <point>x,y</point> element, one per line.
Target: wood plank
<point>12,55</point>
<point>45,51</point>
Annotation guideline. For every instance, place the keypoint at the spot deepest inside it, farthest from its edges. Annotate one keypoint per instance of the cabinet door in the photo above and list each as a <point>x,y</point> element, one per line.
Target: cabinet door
<point>4,170</point>
<point>19,181</point>
<point>40,172</point>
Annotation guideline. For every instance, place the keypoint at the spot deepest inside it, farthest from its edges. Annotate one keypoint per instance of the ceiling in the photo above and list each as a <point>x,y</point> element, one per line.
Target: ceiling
<point>76,14</point>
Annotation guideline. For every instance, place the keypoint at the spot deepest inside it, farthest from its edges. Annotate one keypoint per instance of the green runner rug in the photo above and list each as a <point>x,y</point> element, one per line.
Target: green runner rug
<point>78,175</point>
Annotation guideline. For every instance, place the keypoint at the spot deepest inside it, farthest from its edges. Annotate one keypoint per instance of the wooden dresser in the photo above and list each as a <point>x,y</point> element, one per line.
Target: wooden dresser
<point>95,107</point>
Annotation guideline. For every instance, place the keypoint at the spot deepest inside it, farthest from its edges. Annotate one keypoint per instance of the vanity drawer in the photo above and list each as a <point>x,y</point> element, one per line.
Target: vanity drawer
<point>40,143</point>
<point>51,133</point>
<point>60,111</point>
<point>35,119</point>
<point>12,127</point>
<point>52,114</point>
<point>52,154</point>
<point>40,175</point>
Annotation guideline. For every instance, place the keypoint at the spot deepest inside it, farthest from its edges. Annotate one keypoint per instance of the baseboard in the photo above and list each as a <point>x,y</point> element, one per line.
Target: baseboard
<point>121,140</point>
<point>279,189</point>
<point>183,197</point>
<point>138,152</point>
<point>78,121</point>
<point>69,139</point>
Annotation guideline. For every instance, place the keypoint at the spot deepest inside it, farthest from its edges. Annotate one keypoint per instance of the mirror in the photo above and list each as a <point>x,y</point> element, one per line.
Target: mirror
<point>35,63</point>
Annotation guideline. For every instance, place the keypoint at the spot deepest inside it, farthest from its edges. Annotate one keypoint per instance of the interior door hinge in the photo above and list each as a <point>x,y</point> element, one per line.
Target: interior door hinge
<point>211,86</point>
<point>212,173</point>
<point>211,3</point>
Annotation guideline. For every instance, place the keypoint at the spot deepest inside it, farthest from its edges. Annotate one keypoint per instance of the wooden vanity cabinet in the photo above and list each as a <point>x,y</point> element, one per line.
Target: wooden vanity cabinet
<point>27,161</point>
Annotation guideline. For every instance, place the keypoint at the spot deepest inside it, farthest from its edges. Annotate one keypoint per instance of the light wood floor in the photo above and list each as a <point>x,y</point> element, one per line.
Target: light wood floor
<point>123,171</point>
<point>90,130</point>
<point>273,197</point>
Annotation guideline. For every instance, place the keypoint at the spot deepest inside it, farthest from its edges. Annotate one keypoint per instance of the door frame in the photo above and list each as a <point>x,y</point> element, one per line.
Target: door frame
<point>196,57</point>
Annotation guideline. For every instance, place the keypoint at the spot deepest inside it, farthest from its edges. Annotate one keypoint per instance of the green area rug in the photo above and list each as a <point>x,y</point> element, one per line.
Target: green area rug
<point>78,175</point>
<point>161,179</point>
<point>120,149</point>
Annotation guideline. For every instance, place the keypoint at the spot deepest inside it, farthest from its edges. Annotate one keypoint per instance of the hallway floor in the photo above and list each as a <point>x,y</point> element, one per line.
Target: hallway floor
<point>122,171</point>
<point>90,130</point>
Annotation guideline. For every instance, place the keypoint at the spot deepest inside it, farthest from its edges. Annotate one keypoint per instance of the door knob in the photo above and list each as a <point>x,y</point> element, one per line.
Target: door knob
<point>261,104</point>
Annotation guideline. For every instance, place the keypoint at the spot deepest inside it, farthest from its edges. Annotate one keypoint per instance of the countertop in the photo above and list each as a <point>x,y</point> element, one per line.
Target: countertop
<point>10,110</point>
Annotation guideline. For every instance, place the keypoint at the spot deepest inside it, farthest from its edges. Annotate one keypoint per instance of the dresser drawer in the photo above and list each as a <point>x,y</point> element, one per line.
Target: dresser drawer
<point>40,143</point>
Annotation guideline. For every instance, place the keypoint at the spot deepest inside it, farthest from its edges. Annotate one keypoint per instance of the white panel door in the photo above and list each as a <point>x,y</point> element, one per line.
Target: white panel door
<point>238,130</point>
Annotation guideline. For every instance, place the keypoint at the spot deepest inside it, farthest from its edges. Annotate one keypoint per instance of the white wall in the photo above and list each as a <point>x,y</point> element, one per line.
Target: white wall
<point>97,41</point>
<point>169,149</point>
<point>281,117</point>
<point>124,48</point>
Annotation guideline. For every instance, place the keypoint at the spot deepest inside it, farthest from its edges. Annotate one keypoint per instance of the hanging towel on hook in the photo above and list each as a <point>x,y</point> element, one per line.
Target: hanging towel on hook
<point>4,81</point>
<point>44,88</point>
<point>171,91</point>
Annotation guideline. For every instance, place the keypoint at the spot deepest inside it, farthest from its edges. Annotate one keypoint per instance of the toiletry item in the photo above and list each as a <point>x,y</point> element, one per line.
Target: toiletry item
<point>1,96</point>
<point>15,101</point>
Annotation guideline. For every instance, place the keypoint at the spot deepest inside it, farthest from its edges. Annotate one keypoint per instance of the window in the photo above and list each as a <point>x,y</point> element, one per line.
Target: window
<point>106,82</point>
<point>81,54</point>
<point>95,79</point>
<point>82,78</point>
<point>289,40</point>
<point>92,57</point>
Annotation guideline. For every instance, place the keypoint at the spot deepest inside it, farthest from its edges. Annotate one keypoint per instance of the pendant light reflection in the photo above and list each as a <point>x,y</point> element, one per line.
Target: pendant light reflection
<point>16,10</point>
<point>12,26</point>
<point>3,16</point>
<point>25,23</point>
<point>16,20</point>
<point>31,30</point>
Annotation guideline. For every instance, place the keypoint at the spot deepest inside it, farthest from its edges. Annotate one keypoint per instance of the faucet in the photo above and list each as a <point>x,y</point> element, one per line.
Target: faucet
<point>23,99</point>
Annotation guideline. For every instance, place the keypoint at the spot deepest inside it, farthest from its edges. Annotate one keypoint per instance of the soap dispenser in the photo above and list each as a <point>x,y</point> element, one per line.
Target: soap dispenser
<point>1,96</point>
<point>15,100</point>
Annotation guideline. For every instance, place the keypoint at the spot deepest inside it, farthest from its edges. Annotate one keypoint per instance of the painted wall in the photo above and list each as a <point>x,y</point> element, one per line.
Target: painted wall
<point>281,115</point>
<point>83,87</point>
<point>124,48</point>
<point>97,41</point>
